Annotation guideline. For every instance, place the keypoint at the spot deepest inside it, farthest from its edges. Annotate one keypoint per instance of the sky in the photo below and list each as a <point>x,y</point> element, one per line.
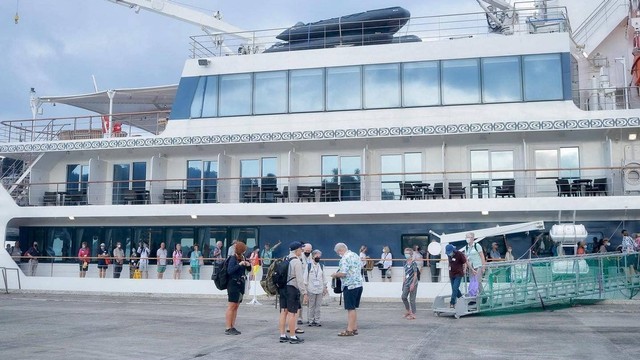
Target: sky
<point>58,45</point>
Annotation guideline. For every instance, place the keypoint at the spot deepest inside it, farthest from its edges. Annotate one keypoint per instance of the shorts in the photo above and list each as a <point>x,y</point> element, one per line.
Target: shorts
<point>144,266</point>
<point>82,268</point>
<point>235,290</point>
<point>290,299</point>
<point>162,268</point>
<point>105,266</point>
<point>352,298</point>
<point>386,273</point>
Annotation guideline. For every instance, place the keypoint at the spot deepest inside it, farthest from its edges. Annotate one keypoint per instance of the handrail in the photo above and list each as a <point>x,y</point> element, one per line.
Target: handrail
<point>4,277</point>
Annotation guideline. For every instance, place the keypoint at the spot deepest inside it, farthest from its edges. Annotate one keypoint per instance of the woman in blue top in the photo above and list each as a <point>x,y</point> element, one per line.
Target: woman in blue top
<point>237,269</point>
<point>195,262</point>
<point>410,285</point>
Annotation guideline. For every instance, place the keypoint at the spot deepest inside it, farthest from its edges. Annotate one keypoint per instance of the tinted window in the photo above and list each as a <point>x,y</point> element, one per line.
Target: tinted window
<point>343,88</point>
<point>460,82</point>
<point>235,94</point>
<point>306,90</point>
<point>421,84</point>
<point>501,79</point>
<point>270,93</point>
<point>542,77</point>
<point>210,104</point>
<point>381,86</point>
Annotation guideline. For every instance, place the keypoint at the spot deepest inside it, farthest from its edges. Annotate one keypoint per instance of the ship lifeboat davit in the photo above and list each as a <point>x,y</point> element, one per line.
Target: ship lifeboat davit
<point>568,233</point>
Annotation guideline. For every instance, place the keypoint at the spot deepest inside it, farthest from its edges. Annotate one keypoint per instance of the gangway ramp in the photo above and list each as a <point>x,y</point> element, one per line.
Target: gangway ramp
<point>544,281</point>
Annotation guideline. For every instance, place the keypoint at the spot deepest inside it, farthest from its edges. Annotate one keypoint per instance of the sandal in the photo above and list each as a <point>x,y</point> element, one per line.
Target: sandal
<point>411,317</point>
<point>299,331</point>
<point>346,333</point>
<point>355,332</point>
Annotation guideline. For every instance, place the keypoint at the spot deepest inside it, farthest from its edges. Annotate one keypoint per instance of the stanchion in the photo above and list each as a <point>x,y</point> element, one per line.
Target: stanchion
<point>257,274</point>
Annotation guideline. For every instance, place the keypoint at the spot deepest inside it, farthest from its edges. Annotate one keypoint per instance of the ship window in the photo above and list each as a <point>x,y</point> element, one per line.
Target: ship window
<point>556,163</point>
<point>421,84</point>
<point>77,177</point>
<point>494,166</point>
<point>344,88</point>
<point>258,172</point>
<point>270,93</point>
<point>235,94</point>
<point>202,180</point>
<point>501,79</point>
<point>306,90</point>
<point>344,170</point>
<point>381,86</point>
<point>460,82</point>
<point>198,97</point>
<point>396,169</point>
<point>542,77</point>
<point>210,103</point>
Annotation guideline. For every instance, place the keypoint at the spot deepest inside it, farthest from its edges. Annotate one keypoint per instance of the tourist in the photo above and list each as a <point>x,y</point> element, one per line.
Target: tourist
<point>349,272</point>
<point>628,248</point>
<point>218,260</point>
<point>118,260</point>
<point>254,259</point>
<point>84,259</point>
<point>458,264</point>
<point>177,262</point>
<point>418,258</point>
<point>195,261</point>
<point>134,272</point>
<point>582,248</point>
<point>494,253</point>
<point>143,264</point>
<point>636,236</point>
<point>386,261</point>
<point>604,246</point>
<point>316,285</point>
<point>595,245</point>
<point>8,248</point>
<point>475,255</point>
<point>237,269</point>
<point>410,284</point>
<point>306,260</point>
<point>161,256</point>
<point>363,263</point>
<point>290,296</point>
<point>32,254</point>
<point>16,253</point>
<point>267,257</point>
<point>103,254</point>
<point>232,249</point>
<point>508,256</point>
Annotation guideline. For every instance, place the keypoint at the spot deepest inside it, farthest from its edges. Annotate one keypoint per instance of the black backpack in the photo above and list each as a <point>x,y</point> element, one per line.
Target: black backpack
<point>222,277</point>
<point>336,284</point>
<point>280,273</point>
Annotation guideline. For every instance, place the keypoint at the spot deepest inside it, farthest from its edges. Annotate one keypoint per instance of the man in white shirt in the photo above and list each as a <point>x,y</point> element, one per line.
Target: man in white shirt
<point>161,255</point>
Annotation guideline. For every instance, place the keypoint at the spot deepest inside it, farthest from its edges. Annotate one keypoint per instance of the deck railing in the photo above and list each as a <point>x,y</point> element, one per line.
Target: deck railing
<point>428,186</point>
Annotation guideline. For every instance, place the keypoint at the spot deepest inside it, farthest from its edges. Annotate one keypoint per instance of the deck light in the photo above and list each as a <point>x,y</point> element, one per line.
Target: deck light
<point>71,218</point>
<point>194,216</point>
<point>203,62</point>
<point>332,215</point>
<point>485,212</point>
<point>633,136</point>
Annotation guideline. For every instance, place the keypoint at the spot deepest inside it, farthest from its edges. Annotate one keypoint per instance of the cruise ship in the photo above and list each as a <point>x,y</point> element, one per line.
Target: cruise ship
<point>385,135</point>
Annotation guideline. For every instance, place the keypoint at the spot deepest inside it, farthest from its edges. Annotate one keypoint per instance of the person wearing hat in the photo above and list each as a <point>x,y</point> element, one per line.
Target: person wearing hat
<point>494,254</point>
<point>290,296</point>
<point>32,254</point>
<point>103,254</point>
<point>457,267</point>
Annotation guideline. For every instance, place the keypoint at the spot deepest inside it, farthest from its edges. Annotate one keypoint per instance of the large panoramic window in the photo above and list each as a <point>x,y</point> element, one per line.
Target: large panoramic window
<point>270,93</point>
<point>421,84</point>
<point>344,88</point>
<point>501,79</point>
<point>381,86</point>
<point>542,77</point>
<point>460,82</point>
<point>235,94</point>
<point>306,90</point>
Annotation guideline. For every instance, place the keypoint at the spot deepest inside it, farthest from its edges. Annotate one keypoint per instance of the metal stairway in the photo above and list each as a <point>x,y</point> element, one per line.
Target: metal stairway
<point>546,281</point>
<point>16,178</point>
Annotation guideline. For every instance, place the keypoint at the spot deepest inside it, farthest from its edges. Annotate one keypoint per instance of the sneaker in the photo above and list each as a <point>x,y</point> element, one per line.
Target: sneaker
<point>299,331</point>
<point>234,331</point>
<point>227,332</point>
<point>299,321</point>
<point>296,340</point>
<point>313,323</point>
<point>284,339</point>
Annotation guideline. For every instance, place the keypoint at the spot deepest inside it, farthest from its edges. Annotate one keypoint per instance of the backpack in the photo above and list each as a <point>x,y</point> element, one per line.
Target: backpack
<point>276,276</point>
<point>222,277</point>
<point>336,284</point>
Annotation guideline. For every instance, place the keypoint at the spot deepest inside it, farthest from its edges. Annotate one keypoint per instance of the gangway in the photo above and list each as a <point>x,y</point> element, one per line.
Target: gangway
<point>545,281</point>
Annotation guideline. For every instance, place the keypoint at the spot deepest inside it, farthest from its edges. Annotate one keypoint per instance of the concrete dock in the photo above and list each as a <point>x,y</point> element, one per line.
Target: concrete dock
<point>81,326</point>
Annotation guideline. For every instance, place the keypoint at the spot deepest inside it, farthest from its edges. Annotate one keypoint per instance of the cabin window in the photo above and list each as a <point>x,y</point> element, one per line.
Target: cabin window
<point>501,79</point>
<point>306,90</point>
<point>421,84</point>
<point>77,177</point>
<point>542,77</point>
<point>397,168</point>
<point>553,164</point>
<point>270,93</point>
<point>202,180</point>
<point>494,166</point>
<point>129,177</point>
<point>460,82</point>
<point>255,173</point>
<point>382,86</point>
<point>345,171</point>
<point>344,88</point>
<point>235,94</point>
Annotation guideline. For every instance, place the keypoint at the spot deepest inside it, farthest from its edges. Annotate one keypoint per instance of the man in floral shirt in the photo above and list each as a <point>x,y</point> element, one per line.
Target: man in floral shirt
<point>349,272</point>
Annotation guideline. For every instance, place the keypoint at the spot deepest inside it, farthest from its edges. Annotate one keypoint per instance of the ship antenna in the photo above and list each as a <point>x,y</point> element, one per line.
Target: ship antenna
<point>17,17</point>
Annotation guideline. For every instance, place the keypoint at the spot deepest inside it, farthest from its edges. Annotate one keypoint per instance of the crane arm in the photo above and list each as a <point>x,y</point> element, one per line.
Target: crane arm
<point>488,232</point>
<point>167,8</point>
